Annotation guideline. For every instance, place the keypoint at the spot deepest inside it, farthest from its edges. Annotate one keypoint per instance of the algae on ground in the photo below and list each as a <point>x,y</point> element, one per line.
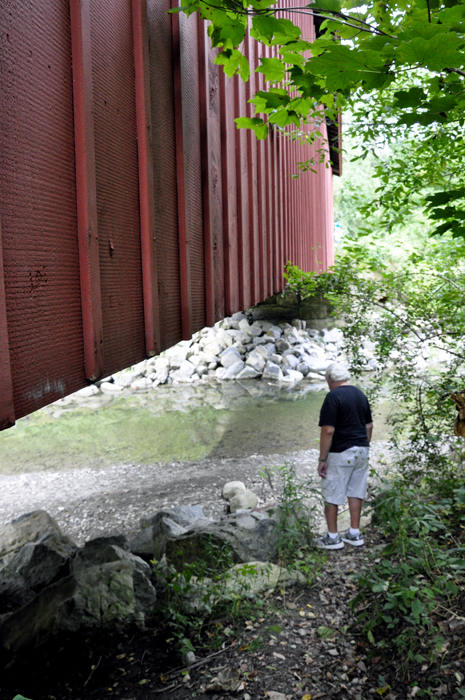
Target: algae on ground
<point>115,433</point>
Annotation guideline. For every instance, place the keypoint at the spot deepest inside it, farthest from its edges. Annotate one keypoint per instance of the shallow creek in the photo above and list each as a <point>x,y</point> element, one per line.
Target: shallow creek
<point>172,423</point>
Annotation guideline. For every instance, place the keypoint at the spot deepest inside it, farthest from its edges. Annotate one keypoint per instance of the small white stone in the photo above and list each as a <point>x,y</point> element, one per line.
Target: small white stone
<point>247,500</point>
<point>232,488</point>
<point>109,388</point>
<point>293,376</point>
<point>86,392</point>
<point>141,385</point>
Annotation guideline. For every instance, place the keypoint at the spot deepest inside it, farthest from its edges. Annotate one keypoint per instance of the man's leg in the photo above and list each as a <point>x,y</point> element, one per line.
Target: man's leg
<point>355,509</point>
<point>331,516</point>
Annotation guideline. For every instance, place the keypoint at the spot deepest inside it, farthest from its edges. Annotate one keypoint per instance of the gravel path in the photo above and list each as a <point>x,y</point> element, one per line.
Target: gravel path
<point>93,502</point>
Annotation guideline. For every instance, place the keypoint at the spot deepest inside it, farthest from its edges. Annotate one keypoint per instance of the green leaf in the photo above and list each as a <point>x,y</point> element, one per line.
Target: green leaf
<point>233,61</point>
<point>273,69</point>
<point>334,5</point>
<point>417,608</point>
<point>229,34</point>
<point>437,53</point>
<point>274,98</point>
<point>259,127</point>
<point>413,97</point>
<point>266,27</point>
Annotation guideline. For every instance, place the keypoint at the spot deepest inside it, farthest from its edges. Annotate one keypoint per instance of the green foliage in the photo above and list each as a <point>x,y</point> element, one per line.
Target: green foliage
<point>412,314</point>
<point>296,512</point>
<point>197,604</point>
<point>397,67</point>
<point>419,575</point>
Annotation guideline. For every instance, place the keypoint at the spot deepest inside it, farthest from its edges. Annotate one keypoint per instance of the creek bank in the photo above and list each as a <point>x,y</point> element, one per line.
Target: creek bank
<point>49,585</point>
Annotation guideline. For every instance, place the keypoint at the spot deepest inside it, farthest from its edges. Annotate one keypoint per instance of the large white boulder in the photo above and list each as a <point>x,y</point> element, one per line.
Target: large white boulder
<point>186,369</point>
<point>230,356</point>
<point>272,371</point>
<point>256,361</point>
<point>233,370</point>
<point>176,355</point>
<point>248,373</point>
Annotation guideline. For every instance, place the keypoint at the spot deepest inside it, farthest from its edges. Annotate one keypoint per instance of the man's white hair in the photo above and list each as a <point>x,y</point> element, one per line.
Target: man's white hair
<point>337,373</point>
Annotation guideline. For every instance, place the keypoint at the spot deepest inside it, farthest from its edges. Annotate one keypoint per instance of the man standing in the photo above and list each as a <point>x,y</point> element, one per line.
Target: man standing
<point>346,428</point>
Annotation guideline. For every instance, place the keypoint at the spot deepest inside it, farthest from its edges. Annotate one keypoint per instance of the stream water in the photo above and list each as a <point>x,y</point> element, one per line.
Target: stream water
<point>171,423</point>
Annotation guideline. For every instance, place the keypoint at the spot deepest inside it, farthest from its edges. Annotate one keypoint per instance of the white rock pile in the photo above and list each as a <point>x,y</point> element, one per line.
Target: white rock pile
<point>234,349</point>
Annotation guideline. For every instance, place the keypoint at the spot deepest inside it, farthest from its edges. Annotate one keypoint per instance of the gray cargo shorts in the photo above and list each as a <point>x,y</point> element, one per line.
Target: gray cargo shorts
<point>347,475</point>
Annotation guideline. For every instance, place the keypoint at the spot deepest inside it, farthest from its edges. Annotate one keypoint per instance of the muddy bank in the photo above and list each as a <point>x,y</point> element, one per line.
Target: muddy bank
<point>91,502</point>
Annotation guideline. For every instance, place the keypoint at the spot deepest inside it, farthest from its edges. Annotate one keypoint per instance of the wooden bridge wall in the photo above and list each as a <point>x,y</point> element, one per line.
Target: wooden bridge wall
<point>132,212</point>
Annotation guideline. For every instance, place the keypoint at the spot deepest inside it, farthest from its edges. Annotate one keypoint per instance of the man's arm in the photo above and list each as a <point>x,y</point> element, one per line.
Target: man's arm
<point>369,427</point>
<point>326,438</point>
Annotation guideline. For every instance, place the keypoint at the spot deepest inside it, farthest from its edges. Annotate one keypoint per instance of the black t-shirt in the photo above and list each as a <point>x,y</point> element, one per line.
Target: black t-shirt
<point>346,409</point>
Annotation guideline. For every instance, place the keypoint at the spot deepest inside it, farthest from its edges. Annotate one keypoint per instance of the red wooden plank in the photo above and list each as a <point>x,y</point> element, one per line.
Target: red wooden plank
<point>206,176</point>
<point>251,87</point>
<point>146,181</point>
<point>86,190</point>
<point>230,214</point>
<point>184,262</point>
<point>243,206</point>
<point>7,409</point>
<point>213,174</point>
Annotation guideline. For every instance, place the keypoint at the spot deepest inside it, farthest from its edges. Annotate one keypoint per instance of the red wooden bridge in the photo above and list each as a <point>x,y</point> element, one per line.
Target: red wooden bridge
<point>132,211</point>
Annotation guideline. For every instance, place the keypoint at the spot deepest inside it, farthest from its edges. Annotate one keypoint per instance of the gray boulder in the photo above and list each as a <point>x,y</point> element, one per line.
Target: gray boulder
<point>204,543</point>
<point>30,527</point>
<point>38,564</point>
<point>13,594</point>
<point>282,345</point>
<point>107,585</point>
<point>248,373</point>
<point>157,528</point>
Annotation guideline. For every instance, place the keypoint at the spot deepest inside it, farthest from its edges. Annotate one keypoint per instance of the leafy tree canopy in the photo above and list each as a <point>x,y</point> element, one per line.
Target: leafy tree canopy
<point>398,66</point>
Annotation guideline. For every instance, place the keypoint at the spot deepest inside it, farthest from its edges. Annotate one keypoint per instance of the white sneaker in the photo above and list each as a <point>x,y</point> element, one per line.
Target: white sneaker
<point>328,542</point>
<point>354,540</point>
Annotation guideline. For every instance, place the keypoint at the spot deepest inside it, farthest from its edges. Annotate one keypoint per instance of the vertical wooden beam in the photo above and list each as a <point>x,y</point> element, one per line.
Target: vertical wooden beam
<point>184,257</point>
<point>205,146</point>
<point>242,201</point>
<point>232,275</point>
<point>7,409</point>
<point>146,187</point>
<point>214,172</point>
<point>86,189</point>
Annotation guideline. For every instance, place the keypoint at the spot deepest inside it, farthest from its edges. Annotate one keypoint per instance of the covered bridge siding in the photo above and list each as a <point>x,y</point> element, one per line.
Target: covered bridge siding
<point>132,211</point>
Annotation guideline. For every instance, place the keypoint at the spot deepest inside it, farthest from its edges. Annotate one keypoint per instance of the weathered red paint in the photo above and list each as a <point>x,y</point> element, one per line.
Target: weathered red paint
<point>169,217</point>
<point>212,177</point>
<point>184,257</point>
<point>146,183</point>
<point>86,189</point>
<point>7,409</point>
